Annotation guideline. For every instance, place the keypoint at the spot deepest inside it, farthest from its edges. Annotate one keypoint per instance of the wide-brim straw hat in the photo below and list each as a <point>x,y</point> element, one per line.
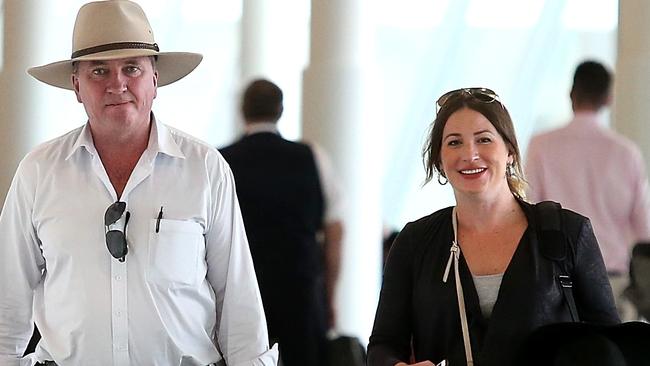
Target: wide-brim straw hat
<point>115,29</point>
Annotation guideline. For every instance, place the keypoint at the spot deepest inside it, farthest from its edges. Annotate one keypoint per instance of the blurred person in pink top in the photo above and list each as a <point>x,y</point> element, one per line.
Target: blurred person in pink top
<point>596,172</point>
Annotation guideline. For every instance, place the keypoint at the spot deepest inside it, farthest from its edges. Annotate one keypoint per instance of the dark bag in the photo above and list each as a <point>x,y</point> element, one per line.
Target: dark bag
<point>639,289</point>
<point>578,344</point>
<point>345,351</point>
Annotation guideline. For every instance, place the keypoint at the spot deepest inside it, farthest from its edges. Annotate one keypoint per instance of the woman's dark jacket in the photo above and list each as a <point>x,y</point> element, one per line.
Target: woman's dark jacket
<point>416,309</point>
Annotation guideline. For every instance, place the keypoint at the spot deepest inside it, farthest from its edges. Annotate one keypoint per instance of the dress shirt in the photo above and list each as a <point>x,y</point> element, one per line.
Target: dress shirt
<point>598,173</point>
<point>186,293</point>
<point>332,193</point>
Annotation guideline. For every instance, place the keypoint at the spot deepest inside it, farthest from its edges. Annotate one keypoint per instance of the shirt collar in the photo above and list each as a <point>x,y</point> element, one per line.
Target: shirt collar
<point>261,127</point>
<point>85,140</point>
<point>160,140</point>
<point>586,116</point>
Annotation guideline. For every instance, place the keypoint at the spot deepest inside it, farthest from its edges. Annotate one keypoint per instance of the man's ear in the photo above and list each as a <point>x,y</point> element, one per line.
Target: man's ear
<point>75,85</point>
<point>608,100</point>
<point>155,83</point>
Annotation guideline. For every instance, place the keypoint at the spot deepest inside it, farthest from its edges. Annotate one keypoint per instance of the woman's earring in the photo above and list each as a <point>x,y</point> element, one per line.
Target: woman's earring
<point>510,170</point>
<point>442,179</point>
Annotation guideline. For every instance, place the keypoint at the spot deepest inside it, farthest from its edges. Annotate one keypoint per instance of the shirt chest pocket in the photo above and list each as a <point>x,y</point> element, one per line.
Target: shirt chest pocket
<point>176,252</point>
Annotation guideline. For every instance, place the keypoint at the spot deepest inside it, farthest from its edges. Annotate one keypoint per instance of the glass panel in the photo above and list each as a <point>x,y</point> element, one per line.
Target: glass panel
<point>503,13</point>
<point>591,15</point>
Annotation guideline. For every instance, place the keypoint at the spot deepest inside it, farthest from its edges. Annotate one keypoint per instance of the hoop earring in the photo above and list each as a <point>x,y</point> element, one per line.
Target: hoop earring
<point>442,180</point>
<point>510,170</point>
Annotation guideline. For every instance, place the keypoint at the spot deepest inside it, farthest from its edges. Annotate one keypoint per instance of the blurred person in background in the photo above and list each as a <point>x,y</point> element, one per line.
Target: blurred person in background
<point>291,206</point>
<point>597,172</point>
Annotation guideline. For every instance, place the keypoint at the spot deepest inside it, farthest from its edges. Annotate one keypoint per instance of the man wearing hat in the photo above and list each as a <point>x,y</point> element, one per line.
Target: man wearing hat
<point>123,240</point>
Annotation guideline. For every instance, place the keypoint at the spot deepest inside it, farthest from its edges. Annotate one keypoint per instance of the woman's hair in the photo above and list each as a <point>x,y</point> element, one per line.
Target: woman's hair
<point>496,113</point>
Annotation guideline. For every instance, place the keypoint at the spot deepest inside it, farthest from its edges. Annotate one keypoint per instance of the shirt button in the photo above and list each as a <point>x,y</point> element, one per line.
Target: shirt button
<point>118,314</point>
<point>118,278</point>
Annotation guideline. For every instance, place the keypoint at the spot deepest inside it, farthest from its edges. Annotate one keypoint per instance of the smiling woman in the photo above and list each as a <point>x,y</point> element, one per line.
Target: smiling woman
<point>473,155</point>
<point>486,106</point>
<point>503,286</point>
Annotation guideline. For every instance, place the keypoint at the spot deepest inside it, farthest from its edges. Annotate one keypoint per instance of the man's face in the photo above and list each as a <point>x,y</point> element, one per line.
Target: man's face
<point>117,94</point>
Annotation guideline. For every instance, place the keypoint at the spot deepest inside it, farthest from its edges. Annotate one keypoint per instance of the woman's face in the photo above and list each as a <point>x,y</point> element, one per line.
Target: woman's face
<point>473,155</point>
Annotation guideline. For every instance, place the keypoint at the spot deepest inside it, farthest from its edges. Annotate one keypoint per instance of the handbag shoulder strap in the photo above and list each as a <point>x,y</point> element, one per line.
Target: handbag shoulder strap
<point>554,246</point>
<point>454,255</point>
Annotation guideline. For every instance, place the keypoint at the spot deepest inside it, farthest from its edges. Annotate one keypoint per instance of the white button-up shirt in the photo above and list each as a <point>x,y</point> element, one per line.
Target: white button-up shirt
<point>186,293</point>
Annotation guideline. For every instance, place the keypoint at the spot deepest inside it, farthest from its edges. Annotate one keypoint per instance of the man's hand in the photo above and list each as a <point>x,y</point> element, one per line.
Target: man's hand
<point>423,363</point>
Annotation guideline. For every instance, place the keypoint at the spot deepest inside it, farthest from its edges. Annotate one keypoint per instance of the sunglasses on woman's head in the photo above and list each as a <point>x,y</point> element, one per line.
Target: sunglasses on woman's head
<point>484,95</point>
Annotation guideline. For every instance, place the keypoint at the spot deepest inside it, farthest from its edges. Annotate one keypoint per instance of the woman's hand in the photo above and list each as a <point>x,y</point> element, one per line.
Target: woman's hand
<point>423,363</point>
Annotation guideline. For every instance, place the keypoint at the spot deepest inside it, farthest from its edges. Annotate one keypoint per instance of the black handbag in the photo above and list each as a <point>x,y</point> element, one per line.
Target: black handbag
<point>639,289</point>
<point>578,344</point>
<point>345,351</point>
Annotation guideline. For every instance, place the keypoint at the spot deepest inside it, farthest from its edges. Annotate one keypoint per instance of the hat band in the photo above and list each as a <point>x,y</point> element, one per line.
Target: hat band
<point>115,46</point>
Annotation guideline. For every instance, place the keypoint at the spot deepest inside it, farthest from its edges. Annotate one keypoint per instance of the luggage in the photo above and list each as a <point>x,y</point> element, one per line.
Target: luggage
<point>345,351</point>
<point>578,344</point>
<point>638,292</point>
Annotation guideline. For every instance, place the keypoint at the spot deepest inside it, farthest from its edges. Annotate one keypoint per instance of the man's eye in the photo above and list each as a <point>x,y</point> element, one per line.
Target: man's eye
<point>132,69</point>
<point>99,71</point>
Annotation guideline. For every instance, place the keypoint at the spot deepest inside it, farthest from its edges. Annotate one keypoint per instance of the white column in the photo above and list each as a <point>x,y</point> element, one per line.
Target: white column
<point>336,96</point>
<point>631,114</point>
<point>255,44</point>
<point>273,44</point>
<point>254,51</point>
<point>18,92</point>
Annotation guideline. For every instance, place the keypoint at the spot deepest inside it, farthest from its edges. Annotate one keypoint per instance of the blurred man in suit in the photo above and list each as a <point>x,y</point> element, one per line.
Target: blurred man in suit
<point>291,208</point>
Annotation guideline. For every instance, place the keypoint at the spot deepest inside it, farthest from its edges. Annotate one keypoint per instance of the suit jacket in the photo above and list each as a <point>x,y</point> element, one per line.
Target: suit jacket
<point>281,200</point>
<point>417,308</point>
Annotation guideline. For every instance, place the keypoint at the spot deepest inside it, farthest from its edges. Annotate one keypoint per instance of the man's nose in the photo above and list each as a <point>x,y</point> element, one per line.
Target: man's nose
<point>116,83</point>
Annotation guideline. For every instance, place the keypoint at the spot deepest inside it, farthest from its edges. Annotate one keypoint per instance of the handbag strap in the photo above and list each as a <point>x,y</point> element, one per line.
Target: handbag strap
<point>454,255</point>
<point>554,246</point>
<point>567,290</point>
